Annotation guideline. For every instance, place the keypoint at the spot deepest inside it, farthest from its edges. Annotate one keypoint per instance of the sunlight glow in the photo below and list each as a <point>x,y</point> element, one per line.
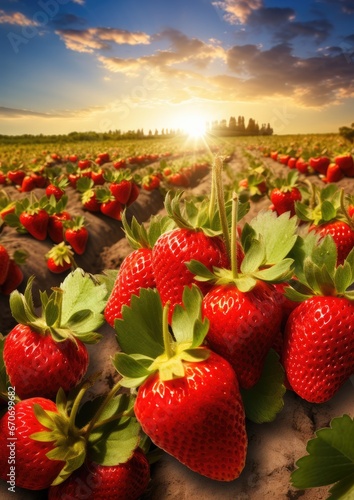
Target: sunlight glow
<point>194,126</point>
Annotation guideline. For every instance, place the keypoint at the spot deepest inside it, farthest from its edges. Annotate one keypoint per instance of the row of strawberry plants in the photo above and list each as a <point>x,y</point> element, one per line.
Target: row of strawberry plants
<point>197,307</point>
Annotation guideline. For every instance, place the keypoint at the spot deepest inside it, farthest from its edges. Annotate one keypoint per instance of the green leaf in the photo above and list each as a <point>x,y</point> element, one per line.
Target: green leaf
<point>200,270</point>
<point>254,257</point>
<point>113,444</point>
<point>134,371</point>
<point>280,271</point>
<point>330,457</point>
<point>82,292</point>
<point>245,283</point>
<point>278,232</point>
<point>185,324</point>
<point>343,277</point>
<point>325,253</point>
<point>343,490</point>
<point>139,331</point>
<point>51,312</point>
<point>328,211</point>
<point>265,400</point>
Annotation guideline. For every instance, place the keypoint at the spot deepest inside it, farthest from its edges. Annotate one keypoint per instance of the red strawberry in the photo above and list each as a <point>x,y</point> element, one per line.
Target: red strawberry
<point>30,465</point>
<point>35,221</point>
<point>43,368</point>
<point>84,164</point>
<point>16,176</point>
<point>97,176</point>
<point>179,402</point>
<point>60,258</point>
<point>173,250</point>
<point>134,193</point>
<point>342,234</point>
<point>150,182</point>
<point>129,480</point>
<point>49,343</point>
<point>135,272</point>
<point>283,200</point>
<point>90,201</point>
<point>318,345</point>
<point>334,173</point>
<point>112,208</point>
<point>346,164</point>
<point>320,164</point>
<point>56,188</point>
<point>302,166</point>
<point>76,234</point>
<point>243,327</point>
<point>56,226</point>
<point>121,190</point>
<point>4,264</point>
<point>28,184</point>
<point>14,278</point>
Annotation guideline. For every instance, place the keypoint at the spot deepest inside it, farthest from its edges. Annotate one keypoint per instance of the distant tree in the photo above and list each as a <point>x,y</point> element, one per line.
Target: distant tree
<point>347,133</point>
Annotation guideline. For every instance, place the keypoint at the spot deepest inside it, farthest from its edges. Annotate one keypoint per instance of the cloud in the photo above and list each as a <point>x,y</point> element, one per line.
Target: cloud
<point>28,113</point>
<point>315,81</point>
<point>16,18</point>
<point>318,29</point>
<point>238,11</point>
<point>346,6</point>
<point>63,20</point>
<point>21,113</point>
<point>93,39</point>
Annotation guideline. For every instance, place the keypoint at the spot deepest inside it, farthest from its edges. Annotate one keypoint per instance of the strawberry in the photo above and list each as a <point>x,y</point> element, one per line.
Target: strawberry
<point>320,164</point>
<point>334,173</point>
<point>60,258</point>
<point>16,176</point>
<point>35,223</point>
<point>150,182</point>
<point>285,194</point>
<point>179,384</point>
<point>302,166</point>
<point>346,164</point>
<point>174,248</point>
<point>4,264</point>
<point>342,234</point>
<point>89,194</point>
<point>84,164</point>
<point>56,226</point>
<point>319,340</point>
<point>28,184</point>
<point>121,190</point>
<point>76,234</point>
<point>30,465</point>
<point>136,270</point>
<point>14,278</point>
<point>97,481</point>
<point>243,326</point>
<point>48,344</point>
<point>97,175</point>
<point>14,275</point>
<point>134,193</point>
<point>56,188</point>
<point>111,207</point>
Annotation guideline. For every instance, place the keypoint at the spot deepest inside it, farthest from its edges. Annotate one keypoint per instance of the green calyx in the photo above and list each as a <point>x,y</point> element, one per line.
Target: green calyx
<point>316,272</point>
<point>324,205</point>
<point>141,236</point>
<point>104,430</point>
<point>71,311</point>
<point>147,345</point>
<point>267,242</point>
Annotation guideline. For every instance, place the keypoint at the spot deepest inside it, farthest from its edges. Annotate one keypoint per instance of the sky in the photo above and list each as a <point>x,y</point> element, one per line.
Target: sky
<point>80,65</point>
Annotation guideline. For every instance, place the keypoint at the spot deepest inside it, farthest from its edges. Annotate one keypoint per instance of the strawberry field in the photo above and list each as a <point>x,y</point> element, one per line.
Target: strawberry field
<point>177,319</point>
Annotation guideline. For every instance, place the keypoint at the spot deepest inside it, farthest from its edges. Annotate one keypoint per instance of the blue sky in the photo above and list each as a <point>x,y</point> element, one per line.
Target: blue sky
<point>104,65</point>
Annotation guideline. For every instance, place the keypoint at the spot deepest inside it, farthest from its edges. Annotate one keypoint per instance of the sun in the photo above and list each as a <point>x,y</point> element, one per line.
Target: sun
<point>194,126</point>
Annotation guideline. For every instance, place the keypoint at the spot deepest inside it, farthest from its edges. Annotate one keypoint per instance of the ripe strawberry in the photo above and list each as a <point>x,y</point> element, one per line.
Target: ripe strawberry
<point>56,226</point>
<point>76,234</point>
<point>129,480</point>
<point>150,182</point>
<point>56,188</point>
<point>136,270</point>
<point>16,176</point>
<point>177,392</point>
<point>320,164</point>
<point>334,173</point>
<point>302,166</point>
<point>28,184</point>
<point>31,467</point>
<point>112,208</point>
<point>121,190</point>
<point>48,344</point>
<point>44,362</point>
<point>171,252</point>
<point>84,164</point>
<point>134,193</point>
<point>342,234</point>
<point>4,264</point>
<point>284,195</point>
<point>317,346</point>
<point>14,278</point>
<point>243,327</point>
<point>60,258</point>
<point>346,164</point>
<point>35,221</point>
<point>97,175</point>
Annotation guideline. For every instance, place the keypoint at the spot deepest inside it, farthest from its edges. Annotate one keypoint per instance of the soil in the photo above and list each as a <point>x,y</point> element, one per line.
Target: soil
<point>273,448</point>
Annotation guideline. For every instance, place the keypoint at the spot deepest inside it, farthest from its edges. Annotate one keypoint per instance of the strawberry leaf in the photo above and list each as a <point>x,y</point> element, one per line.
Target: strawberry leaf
<point>187,325</point>
<point>82,292</point>
<point>265,400</point>
<point>114,443</point>
<point>132,368</point>
<point>140,328</point>
<point>278,232</point>
<point>330,459</point>
<point>254,257</point>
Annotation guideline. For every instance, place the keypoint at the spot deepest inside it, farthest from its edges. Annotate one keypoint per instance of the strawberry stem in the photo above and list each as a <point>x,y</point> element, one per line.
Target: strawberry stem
<point>93,422</point>
<point>234,222</point>
<point>165,331</point>
<point>221,203</point>
<point>88,383</point>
